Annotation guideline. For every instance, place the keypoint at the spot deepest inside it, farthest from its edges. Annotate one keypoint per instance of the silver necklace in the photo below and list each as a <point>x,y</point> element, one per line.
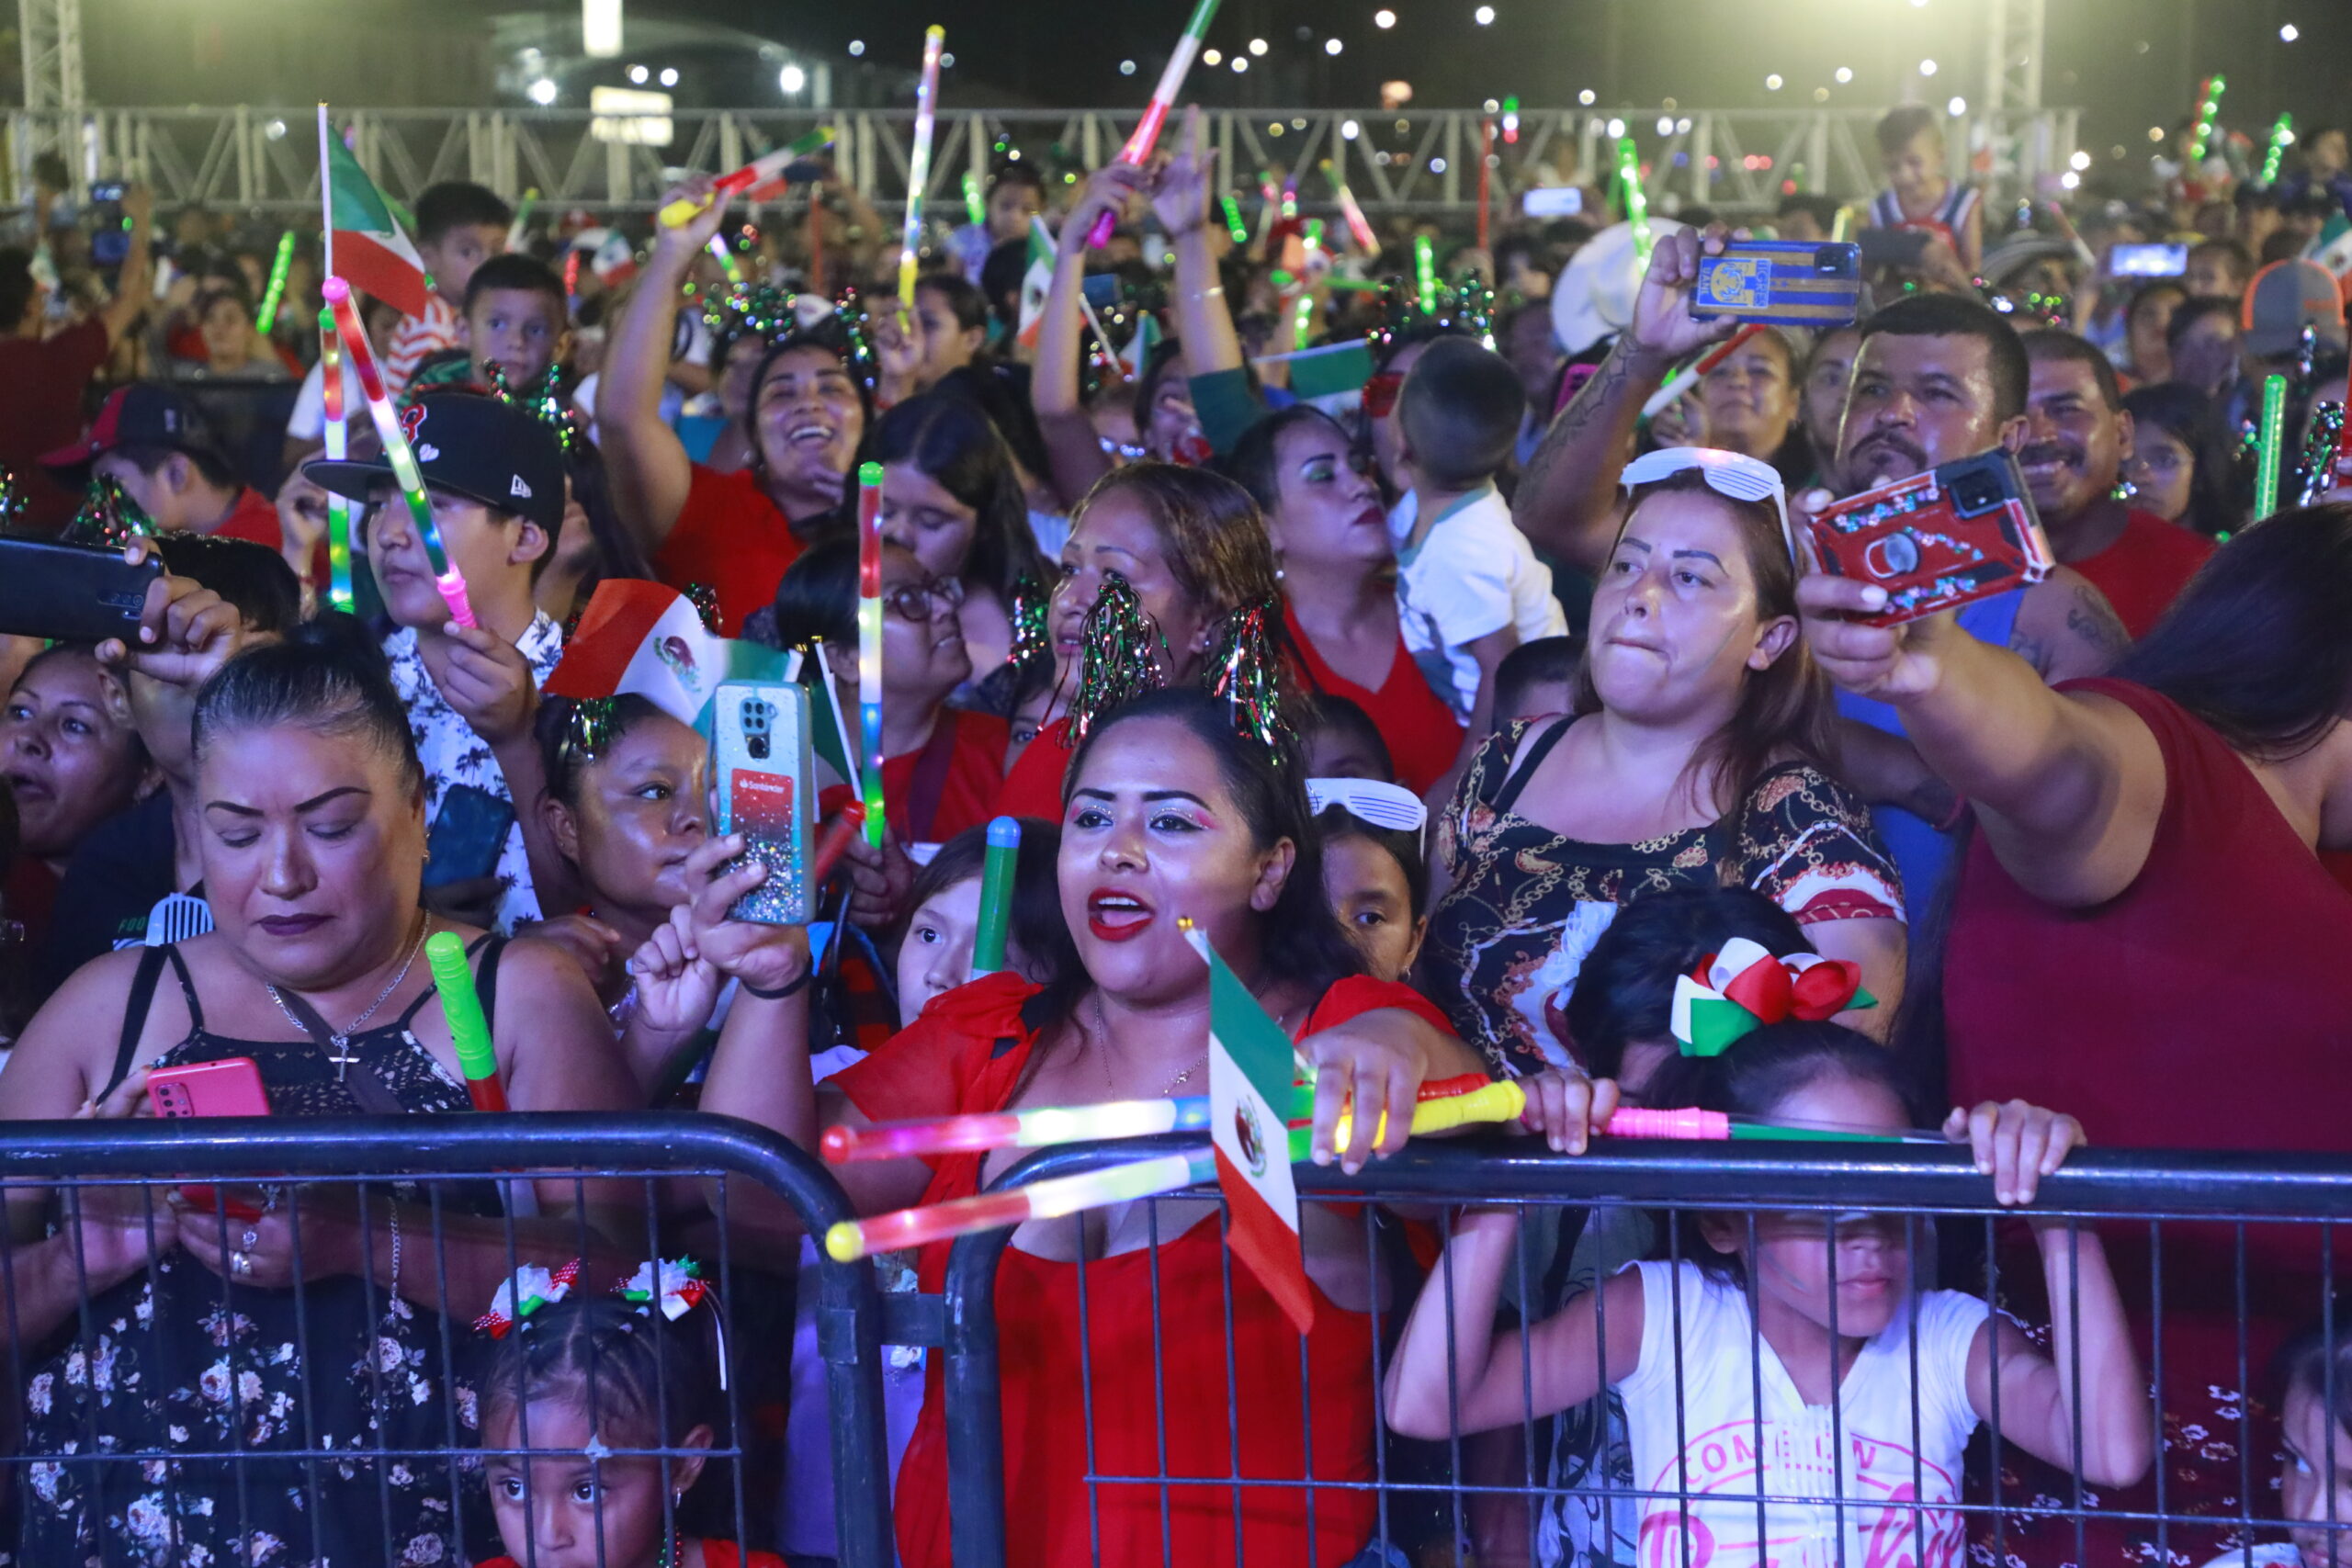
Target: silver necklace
<point>1102,1042</point>
<point>339,1043</point>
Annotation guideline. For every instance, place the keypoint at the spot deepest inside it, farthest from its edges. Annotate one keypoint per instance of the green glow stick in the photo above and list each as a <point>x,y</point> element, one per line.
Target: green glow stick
<point>975,208</point>
<point>1302,321</point>
<point>338,438</point>
<point>1233,223</point>
<point>445,952</point>
<point>2269,447</point>
<point>1636,200</point>
<point>996,896</point>
<point>2281,134</point>
<point>1425,273</point>
<point>2209,106</point>
<point>277,289</point>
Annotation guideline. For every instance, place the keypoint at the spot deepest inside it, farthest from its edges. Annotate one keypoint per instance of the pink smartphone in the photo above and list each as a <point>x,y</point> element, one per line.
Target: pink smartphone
<point>231,1087</point>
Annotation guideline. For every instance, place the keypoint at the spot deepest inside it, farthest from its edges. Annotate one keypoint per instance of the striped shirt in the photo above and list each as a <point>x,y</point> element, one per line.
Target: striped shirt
<point>416,337</point>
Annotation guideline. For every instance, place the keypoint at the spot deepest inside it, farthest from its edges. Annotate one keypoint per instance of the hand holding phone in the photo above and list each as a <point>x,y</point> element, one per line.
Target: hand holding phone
<point>765,771</point>
<point>1787,282</point>
<point>72,593</point>
<point>231,1087</point>
<point>1961,532</point>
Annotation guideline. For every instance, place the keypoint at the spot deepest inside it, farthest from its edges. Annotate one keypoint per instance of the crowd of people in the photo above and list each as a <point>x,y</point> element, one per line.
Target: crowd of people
<point>1474,707</point>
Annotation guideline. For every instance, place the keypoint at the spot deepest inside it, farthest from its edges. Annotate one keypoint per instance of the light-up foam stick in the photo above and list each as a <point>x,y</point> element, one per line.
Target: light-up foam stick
<point>266,317</point>
<point>445,953</point>
<point>396,448</point>
<point>1234,225</point>
<point>2209,106</point>
<point>975,208</point>
<point>2282,135</point>
<point>934,37</point>
<point>996,896</point>
<point>2270,446</point>
<point>1302,321</point>
<point>1425,274</point>
<point>1350,208</point>
<point>717,247</point>
<point>759,171</point>
<point>869,640</point>
<point>1636,199</point>
<point>338,449</point>
<point>1690,375</point>
<point>1694,1125</point>
<point>1155,114</point>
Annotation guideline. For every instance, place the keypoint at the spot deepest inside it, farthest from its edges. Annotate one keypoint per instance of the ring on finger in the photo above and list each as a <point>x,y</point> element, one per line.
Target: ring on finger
<point>240,1264</point>
<point>250,1240</point>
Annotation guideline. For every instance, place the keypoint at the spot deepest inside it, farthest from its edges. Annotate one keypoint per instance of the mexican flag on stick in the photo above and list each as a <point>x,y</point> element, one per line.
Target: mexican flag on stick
<point>371,251</point>
<point>1249,1095</point>
<point>648,639</point>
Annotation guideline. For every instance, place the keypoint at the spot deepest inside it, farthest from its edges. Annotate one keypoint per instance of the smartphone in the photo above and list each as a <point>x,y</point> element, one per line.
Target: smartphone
<point>1792,283</point>
<point>108,190</point>
<point>1961,532</point>
<point>1101,288</point>
<point>1894,247</point>
<point>231,1087</point>
<point>71,592</point>
<point>2157,260</point>
<point>766,770</point>
<point>468,835</point>
<point>1554,201</point>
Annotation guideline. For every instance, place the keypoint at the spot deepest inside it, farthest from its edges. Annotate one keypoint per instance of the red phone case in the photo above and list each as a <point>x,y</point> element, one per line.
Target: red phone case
<point>231,1087</point>
<point>1958,532</point>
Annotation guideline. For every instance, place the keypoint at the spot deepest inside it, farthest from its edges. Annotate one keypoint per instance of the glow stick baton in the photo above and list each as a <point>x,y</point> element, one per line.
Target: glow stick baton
<point>2269,447</point>
<point>1486,167</point>
<point>996,896</point>
<point>717,247</point>
<point>869,640</point>
<point>1694,1125</point>
<point>338,449</point>
<point>1056,1196</point>
<point>919,159</point>
<point>1155,114</point>
<point>1302,321</point>
<point>267,318</point>
<point>396,448</point>
<point>1233,223</point>
<point>2209,105</point>
<point>758,172</point>
<point>2282,133</point>
<point>1636,199</point>
<point>444,952</point>
<point>1689,375</point>
<point>516,231</point>
<point>975,210</point>
<point>1425,273</point>
<point>835,842</point>
<point>1350,208</point>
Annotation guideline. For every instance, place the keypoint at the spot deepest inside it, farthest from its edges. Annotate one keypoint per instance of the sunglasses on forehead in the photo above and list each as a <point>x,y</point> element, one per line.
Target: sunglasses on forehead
<point>1388,806</point>
<point>1731,474</point>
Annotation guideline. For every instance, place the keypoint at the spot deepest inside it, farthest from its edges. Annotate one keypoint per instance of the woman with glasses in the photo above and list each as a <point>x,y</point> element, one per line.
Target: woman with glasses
<point>1696,755</point>
<point>942,766</point>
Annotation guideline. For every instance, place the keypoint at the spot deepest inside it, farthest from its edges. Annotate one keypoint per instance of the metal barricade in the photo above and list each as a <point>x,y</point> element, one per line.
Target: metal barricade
<point>2215,1258</point>
<point>174,1401</point>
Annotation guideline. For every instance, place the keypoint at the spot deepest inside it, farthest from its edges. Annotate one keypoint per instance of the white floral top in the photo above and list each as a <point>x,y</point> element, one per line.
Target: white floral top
<point>453,755</point>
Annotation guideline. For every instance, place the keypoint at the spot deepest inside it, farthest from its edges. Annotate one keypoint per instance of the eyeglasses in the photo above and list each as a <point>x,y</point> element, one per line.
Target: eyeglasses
<point>1731,474</point>
<point>918,601</point>
<point>1370,800</point>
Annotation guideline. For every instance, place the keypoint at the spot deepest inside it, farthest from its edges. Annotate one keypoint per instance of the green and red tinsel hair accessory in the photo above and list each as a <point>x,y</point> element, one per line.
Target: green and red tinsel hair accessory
<point>1247,672</point>
<point>1121,655</point>
<point>761,309</point>
<point>108,518</point>
<point>704,599</point>
<point>1031,641</point>
<point>2317,472</point>
<point>13,504</point>
<point>587,729</point>
<point>544,401</point>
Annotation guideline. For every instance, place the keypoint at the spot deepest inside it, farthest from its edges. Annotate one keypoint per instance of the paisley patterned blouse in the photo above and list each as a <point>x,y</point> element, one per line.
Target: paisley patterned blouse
<point>1527,903</point>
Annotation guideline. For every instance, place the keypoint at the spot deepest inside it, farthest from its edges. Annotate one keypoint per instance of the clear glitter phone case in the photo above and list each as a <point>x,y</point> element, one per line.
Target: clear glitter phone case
<point>761,758</point>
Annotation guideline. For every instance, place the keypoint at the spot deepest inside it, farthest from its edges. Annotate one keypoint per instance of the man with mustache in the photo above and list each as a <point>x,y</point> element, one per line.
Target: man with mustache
<point>2076,434</point>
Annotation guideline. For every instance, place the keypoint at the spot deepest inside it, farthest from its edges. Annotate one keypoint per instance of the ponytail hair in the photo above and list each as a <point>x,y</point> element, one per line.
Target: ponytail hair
<point>645,1381</point>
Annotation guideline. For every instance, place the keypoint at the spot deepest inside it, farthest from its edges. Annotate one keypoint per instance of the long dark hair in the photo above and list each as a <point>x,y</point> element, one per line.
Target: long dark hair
<point>1300,937</point>
<point>1785,708</point>
<point>2257,646</point>
<point>1255,462</point>
<point>953,441</point>
<point>2188,416</point>
<point>1625,987</point>
<point>828,336</point>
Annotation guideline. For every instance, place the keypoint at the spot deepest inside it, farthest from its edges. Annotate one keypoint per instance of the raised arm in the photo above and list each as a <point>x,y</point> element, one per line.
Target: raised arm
<point>650,472</point>
<point>1567,496</point>
<point>2066,788</point>
<point>1181,198</point>
<point>1072,450</point>
<point>133,284</point>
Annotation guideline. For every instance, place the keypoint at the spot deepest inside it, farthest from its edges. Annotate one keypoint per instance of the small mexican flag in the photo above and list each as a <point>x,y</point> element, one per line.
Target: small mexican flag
<point>1037,281</point>
<point>1139,347</point>
<point>648,639</point>
<point>371,251</point>
<point>1250,1077</point>
<point>1332,377</point>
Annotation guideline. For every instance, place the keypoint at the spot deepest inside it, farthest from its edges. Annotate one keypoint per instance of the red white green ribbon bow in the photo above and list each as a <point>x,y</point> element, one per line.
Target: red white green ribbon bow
<point>676,1285</point>
<point>531,1289</point>
<point>1745,987</point>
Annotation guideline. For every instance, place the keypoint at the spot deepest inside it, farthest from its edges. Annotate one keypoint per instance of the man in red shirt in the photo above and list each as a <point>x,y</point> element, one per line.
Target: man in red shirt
<point>42,377</point>
<point>151,439</point>
<point>2077,435</point>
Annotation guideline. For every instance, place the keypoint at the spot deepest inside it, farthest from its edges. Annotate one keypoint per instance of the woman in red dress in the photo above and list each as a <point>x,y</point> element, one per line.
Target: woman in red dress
<point>1170,813</point>
<point>1338,577</point>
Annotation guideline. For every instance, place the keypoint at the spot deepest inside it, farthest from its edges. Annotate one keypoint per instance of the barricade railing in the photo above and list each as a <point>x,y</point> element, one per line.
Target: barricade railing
<point>216,1357</point>
<point>2216,1258</point>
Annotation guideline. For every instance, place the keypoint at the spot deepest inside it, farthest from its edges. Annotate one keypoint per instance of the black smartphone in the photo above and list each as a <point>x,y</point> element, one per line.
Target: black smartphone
<point>1894,247</point>
<point>71,592</point>
<point>468,835</point>
<point>107,190</point>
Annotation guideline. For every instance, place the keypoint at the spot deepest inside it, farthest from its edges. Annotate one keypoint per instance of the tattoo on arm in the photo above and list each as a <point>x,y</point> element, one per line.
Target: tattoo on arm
<point>2090,617</point>
<point>1573,432</point>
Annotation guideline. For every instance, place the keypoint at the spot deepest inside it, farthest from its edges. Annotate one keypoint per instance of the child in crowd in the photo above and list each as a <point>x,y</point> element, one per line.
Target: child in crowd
<point>515,318</point>
<point>495,475</point>
<point>2315,1473</point>
<point>1860,1365</point>
<point>588,1373</point>
<point>935,951</point>
<point>1920,195</point>
<point>1470,588</point>
<point>1342,742</point>
<point>1378,879</point>
<point>458,226</point>
<point>1534,679</point>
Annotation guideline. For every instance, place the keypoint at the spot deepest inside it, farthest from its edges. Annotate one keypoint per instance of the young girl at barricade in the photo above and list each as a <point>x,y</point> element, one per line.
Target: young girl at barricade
<point>2316,1463</point>
<point>1376,873</point>
<point>1861,1367</point>
<point>574,1375</point>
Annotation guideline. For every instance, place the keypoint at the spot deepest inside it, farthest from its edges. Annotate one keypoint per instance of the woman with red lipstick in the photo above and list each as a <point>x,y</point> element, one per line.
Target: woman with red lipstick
<point>313,850</point>
<point>1693,757</point>
<point>1171,813</point>
<point>1338,577</point>
<point>1193,546</point>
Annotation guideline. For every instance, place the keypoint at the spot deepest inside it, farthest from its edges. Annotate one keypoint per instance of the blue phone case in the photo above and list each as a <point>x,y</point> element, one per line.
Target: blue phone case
<point>1785,282</point>
<point>766,776</point>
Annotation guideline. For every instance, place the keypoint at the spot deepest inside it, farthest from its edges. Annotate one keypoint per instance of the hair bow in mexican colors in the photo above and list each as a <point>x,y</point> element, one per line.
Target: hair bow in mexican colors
<point>1745,987</point>
<point>675,1284</point>
<point>531,1288</point>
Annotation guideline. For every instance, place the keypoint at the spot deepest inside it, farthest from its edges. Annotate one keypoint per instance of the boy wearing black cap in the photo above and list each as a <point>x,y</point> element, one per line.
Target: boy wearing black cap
<point>495,475</point>
<point>153,440</point>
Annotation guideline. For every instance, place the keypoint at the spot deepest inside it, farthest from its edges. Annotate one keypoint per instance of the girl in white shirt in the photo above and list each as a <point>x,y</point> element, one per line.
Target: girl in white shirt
<point>1854,1442</point>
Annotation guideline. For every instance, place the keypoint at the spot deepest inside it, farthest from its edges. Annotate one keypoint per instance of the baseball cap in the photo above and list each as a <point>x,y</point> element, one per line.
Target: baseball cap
<point>2285,298</point>
<point>485,449</point>
<point>145,413</point>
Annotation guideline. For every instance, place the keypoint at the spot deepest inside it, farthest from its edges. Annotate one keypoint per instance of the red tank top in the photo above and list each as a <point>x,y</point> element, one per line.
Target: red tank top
<point>1421,733</point>
<point>1032,785</point>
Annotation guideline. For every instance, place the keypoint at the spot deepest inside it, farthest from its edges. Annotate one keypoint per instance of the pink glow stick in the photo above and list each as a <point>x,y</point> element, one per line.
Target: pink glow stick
<point>1163,98</point>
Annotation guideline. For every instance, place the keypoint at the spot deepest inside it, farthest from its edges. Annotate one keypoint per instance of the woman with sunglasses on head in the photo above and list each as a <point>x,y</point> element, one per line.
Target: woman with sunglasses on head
<point>1695,756</point>
<point>1171,813</point>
